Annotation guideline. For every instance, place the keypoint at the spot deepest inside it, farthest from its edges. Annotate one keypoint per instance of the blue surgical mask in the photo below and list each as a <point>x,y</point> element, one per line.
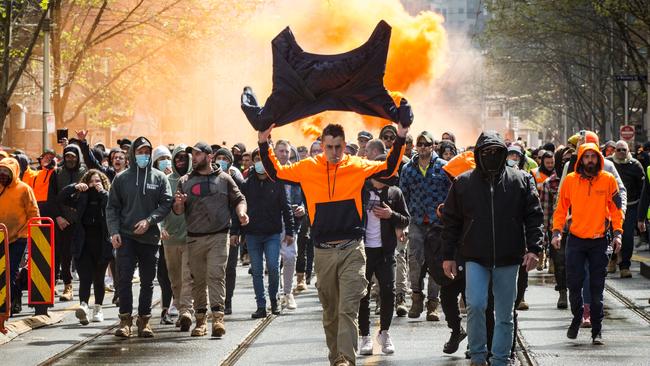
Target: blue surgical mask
<point>164,164</point>
<point>512,163</point>
<point>142,160</point>
<point>223,164</point>
<point>259,168</point>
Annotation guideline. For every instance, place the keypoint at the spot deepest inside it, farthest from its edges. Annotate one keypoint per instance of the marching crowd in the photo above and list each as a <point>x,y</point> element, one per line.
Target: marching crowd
<point>382,220</point>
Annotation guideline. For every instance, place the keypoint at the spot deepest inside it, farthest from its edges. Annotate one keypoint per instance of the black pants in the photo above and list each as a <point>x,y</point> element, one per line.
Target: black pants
<point>130,254</point>
<point>449,302</point>
<point>558,256</point>
<point>163,280</point>
<point>383,267</point>
<point>92,266</point>
<point>231,273</point>
<point>594,252</point>
<point>305,260</point>
<point>63,253</point>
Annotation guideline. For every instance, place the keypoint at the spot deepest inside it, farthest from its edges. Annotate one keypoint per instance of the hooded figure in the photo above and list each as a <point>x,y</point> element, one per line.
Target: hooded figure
<point>493,216</point>
<point>175,224</point>
<point>15,194</point>
<point>138,194</point>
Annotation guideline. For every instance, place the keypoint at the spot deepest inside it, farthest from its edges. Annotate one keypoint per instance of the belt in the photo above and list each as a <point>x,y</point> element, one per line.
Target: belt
<point>340,246</point>
<point>197,235</point>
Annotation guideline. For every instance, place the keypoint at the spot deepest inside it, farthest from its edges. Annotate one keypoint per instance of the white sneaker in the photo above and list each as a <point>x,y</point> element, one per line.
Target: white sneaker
<point>283,301</point>
<point>291,302</point>
<point>365,349</point>
<point>386,343</point>
<point>98,314</point>
<point>136,276</point>
<point>82,313</point>
<point>75,275</point>
<point>172,310</point>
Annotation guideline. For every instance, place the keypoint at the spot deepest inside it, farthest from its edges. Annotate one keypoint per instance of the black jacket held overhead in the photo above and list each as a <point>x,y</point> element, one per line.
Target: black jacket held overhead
<point>492,219</point>
<point>305,84</point>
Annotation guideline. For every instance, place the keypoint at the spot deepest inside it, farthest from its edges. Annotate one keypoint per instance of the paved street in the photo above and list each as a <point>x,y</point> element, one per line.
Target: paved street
<point>296,338</point>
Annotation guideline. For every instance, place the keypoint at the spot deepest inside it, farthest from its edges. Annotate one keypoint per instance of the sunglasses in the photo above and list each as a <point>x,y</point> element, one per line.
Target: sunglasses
<point>621,150</point>
<point>424,144</point>
<point>388,137</point>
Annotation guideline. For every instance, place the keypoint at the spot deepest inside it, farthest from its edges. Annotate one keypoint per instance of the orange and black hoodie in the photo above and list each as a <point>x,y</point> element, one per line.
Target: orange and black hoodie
<point>333,191</point>
<point>17,202</point>
<point>592,200</point>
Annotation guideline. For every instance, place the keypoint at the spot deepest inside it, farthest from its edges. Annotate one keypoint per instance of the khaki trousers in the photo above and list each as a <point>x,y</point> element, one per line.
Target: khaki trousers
<point>178,267</point>
<point>341,284</point>
<point>208,256</point>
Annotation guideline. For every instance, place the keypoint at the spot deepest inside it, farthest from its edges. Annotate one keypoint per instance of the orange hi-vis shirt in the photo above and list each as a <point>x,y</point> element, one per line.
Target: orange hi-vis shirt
<point>593,201</point>
<point>39,180</point>
<point>333,191</point>
<point>459,164</point>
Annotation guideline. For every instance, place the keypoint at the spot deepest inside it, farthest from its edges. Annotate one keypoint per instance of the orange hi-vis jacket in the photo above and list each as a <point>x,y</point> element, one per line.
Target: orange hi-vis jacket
<point>459,164</point>
<point>333,191</point>
<point>17,202</point>
<point>39,180</point>
<point>592,200</point>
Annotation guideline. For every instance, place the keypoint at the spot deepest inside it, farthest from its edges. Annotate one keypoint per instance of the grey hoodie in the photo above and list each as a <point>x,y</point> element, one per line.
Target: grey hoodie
<point>175,224</point>
<point>137,194</point>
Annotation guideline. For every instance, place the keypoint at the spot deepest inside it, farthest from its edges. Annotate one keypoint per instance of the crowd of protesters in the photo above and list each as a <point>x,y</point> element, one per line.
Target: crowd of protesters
<point>384,220</point>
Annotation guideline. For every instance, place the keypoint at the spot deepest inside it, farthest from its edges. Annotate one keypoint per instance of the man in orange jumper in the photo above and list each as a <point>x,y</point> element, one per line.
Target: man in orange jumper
<point>593,197</point>
<point>332,184</point>
<point>18,207</point>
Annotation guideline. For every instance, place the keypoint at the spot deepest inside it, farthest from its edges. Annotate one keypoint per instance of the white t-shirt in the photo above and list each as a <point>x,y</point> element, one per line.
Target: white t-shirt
<point>373,226</point>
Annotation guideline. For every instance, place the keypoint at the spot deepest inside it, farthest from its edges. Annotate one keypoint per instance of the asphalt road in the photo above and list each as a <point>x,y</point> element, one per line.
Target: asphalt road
<point>296,337</point>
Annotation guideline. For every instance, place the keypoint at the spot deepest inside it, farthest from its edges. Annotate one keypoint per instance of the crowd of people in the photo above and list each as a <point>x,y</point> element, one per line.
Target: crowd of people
<point>384,220</point>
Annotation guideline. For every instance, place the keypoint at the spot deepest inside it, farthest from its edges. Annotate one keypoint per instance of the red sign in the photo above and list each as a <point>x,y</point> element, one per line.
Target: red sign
<point>627,132</point>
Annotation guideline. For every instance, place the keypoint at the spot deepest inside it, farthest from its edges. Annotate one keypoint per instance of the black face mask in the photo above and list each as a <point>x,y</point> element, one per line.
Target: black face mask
<point>492,163</point>
<point>70,164</point>
<point>5,180</point>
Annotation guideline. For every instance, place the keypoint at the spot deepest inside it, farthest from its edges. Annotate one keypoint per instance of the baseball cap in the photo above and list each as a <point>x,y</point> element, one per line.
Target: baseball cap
<point>364,135</point>
<point>426,135</point>
<point>200,146</point>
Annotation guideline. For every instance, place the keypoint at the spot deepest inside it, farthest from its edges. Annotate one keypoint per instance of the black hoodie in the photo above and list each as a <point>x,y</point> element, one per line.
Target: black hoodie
<point>493,219</point>
<point>62,178</point>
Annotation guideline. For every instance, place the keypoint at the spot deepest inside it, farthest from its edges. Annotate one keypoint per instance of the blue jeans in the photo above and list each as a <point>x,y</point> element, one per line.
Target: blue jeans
<point>145,256</point>
<point>16,253</point>
<point>260,247</point>
<point>594,252</point>
<point>504,289</point>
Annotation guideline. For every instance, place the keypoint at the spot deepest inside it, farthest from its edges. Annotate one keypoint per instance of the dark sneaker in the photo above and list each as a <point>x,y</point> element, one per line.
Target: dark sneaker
<point>228,308</point>
<point>400,305</point>
<point>275,308</point>
<point>259,313</point>
<point>454,341</point>
<point>562,302</point>
<point>597,340</point>
<point>165,318</point>
<point>574,328</point>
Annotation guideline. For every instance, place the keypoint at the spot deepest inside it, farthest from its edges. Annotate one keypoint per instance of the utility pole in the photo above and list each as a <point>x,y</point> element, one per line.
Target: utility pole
<point>47,109</point>
<point>610,125</point>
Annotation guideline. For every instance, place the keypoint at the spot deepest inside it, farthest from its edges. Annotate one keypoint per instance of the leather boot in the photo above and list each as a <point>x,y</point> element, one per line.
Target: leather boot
<point>218,327</point>
<point>67,293</point>
<point>301,285</point>
<point>417,305</point>
<point>432,311</point>
<point>144,329</point>
<point>124,329</point>
<point>400,305</point>
<point>201,327</point>
<point>562,302</point>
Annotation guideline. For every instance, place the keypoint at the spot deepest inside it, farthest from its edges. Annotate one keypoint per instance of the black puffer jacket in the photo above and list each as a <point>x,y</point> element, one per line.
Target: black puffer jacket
<point>492,219</point>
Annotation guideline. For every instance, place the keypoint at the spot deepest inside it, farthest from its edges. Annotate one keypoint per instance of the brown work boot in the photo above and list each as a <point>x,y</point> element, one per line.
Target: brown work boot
<point>432,311</point>
<point>184,321</point>
<point>124,329</point>
<point>611,266</point>
<point>218,328</point>
<point>341,361</point>
<point>144,329</point>
<point>417,305</point>
<point>301,285</point>
<point>201,327</point>
<point>625,273</point>
<point>67,293</point>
